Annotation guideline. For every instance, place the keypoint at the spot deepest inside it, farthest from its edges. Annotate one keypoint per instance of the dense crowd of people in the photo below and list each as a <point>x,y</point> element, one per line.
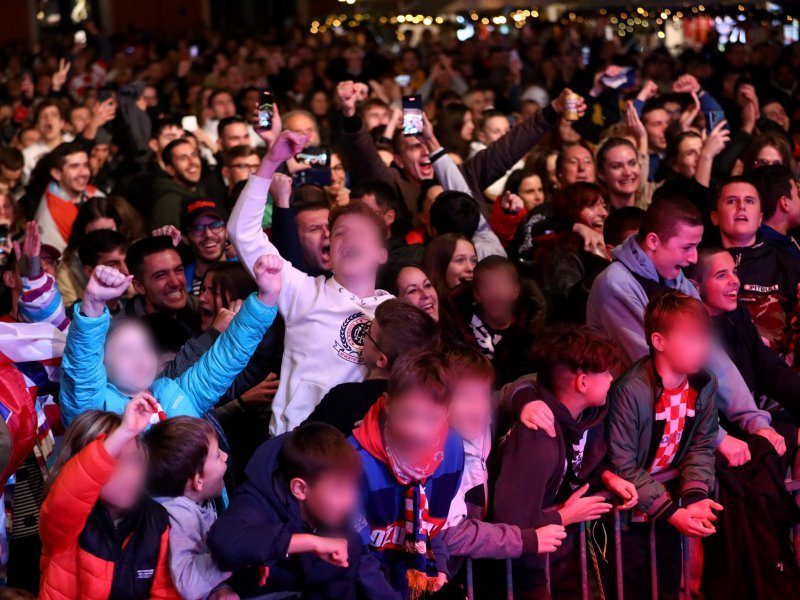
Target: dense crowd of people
<point>291,348</point>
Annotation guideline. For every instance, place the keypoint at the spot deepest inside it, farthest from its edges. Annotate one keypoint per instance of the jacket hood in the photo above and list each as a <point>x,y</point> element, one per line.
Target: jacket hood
<point>630,254</point>
<point>262,473</point>
<point>573,430</point>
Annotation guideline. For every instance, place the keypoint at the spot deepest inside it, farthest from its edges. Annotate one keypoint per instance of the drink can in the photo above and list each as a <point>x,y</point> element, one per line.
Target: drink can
<point>571,111</point>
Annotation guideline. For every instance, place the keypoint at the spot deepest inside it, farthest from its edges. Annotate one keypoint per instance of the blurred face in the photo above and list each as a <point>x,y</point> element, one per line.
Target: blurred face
<point>375,116</point>
<point>738,214</point>
<point>167,135</point>
<point>493,129</point>
<point>676,253</point>
<point>113,258</point>
<point>471,407</point>
<point>337,173</point>
<point>186,166</point>
<point>126,486</point>
<point>775,112</point>
<point>415,288</point>
<point>656,123</point>
<point>214,470</point>
<point>131,360</point>
<point>73,177</point>
<point>10,177</point>
<point>577,165</point>
<point>29,137</point>
<point>332,499</point>
<point>531,191</point>
<point>241,168</point>
<point>206,237</point>
<point>356,247</point>
<point>496,291</point>
<point>235,134</point>
<point>163,283</point>
<point>319,104</point>
<point>304,125</point>
<point>688,156</point>
<point>768,155</point>
<point>315,238</point>
<point>50,124</point>
<point>211,301</point>
<point>222,106</point>
<point>686,346</point>
<point>462,264</point>
<point>101,223</point>
<point>7,211</point>
<point>621,174</point>
<point>468,127</point>
<point>720,286</point>
<point>79,118</point>
<point>415,423</point>
<point>415,160</point>
<point>594,215</point>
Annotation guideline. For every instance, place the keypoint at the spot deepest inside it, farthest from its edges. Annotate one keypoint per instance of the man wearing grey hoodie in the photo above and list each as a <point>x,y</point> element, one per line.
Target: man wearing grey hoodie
<point>666,243</point>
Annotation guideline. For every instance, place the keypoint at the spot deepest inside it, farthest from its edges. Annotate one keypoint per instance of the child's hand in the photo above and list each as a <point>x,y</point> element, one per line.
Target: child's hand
<point>332,550</point>
<point>441,579</point>
<point>622,488</point>
<point>550,537</point>
<point>138,412</point>
<point>267,273</point>
<point>688,525</point>
<point>537,415</point>
<point>105,284</point>
<point>579,508</point>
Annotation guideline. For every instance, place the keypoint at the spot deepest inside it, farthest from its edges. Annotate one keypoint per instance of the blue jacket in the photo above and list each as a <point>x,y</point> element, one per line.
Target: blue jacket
<point>259,524</point>
<point>383,500</point>
<point>84,385</point>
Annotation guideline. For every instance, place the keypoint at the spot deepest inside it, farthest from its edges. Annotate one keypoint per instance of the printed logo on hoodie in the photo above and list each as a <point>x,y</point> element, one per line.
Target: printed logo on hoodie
<point>351,338</point>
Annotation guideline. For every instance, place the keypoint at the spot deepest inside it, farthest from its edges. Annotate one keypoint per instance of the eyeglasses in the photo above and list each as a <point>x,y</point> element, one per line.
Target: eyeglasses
<point>372,339</point>
<point>338,168</point>
<point>214,227</point>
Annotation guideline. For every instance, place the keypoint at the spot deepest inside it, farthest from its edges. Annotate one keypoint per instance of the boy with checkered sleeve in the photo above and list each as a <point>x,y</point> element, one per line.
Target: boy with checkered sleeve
<point>663,415</point>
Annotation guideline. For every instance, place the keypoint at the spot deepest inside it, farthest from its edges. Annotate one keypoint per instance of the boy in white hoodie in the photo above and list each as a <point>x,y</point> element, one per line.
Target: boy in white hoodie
<point>326,319</point>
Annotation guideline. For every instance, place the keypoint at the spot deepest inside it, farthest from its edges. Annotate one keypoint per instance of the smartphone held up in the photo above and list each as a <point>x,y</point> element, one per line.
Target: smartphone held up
<point>413,121</point>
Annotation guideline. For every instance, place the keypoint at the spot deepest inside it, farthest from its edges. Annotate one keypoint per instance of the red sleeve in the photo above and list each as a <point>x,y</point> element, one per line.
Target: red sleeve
<point>162,580</point>
<point>504,224</point>
<point>73,495</point>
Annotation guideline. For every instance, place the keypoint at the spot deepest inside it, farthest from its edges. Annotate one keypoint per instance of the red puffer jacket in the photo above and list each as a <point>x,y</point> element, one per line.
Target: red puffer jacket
<point>85,556</point>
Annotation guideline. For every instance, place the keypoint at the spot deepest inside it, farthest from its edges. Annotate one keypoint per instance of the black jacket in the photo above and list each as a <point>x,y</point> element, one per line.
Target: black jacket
<point>347,403</point>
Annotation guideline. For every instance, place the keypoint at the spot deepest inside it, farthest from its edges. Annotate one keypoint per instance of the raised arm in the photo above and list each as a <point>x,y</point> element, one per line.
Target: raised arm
<point>40,301</point>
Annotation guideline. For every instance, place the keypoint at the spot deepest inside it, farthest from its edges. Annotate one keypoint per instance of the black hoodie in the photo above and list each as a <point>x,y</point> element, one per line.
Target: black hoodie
<point>259,524</point>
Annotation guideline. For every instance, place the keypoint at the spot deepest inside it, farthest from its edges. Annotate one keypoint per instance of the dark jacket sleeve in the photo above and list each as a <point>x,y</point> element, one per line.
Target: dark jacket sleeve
<point>362,155</point>
<point>777,380</point>
<point>244,535</point>
<point>371,580</point>
<point>725,160</point>
<point>189,354</point>
<point>697,466</point>
<point>284,236</point>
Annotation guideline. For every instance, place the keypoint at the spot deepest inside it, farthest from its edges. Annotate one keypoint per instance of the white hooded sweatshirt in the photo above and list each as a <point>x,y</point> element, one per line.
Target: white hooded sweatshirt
<point>325,323</point>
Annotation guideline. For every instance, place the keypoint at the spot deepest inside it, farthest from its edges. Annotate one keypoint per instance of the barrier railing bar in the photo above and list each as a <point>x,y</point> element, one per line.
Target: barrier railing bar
<point>584,565</point>
<point>653,565</point>
<point>510,580</point>
<point>470,581</point>
<point>618,553</point>
<point>547,573</point>
<point>687,588</point>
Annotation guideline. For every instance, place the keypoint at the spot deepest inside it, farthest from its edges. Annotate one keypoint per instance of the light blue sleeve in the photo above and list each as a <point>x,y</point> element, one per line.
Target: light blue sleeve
<point>209,378</point>
<point>83,375</point>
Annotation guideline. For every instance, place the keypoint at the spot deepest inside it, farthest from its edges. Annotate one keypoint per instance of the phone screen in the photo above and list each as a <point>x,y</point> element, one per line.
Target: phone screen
<point>194,51</point>
<point>412,115</point>
<point>318,158</point>
<point>265,110</point>
<point>403,80</point>
<point>713,117</point>
<point>3,234</point>
<point>189,123</point>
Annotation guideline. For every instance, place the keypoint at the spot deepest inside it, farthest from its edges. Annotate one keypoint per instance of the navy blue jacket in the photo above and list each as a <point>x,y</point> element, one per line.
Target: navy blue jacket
<point>259,524</point>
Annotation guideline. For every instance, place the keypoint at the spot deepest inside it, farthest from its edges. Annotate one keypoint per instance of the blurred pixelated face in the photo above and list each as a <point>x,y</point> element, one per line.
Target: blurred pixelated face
<point>304,125</point>
<point>686,345</point>
<point>688,156</point>
<point>719,288</point>
<point>576,165</point>
<point>130,359</point>
<point>206,237</point>
<point>671,255</point>
<point>73,177</point>
<point>332,499</point>
<point>594,215</point>
<point>415,423</point>
<point>775,112</point>
<point>656,123</point>
<point>315,238</point>
<point>79,118</point>
<point>163,283</point>
<point>415,288</point>
<point>738,213</point>
<point>621,173</point>
<point>50,123</point>
<point>493,129</point>
<point>126,486</point>
<point>356,246</point>
<point>531,191</point>
<point>462,264</point>
<point>235,134</point>
<point>471,407</point>
<point>186,166</point>
<point>496,291</point>
<point>214,469</point>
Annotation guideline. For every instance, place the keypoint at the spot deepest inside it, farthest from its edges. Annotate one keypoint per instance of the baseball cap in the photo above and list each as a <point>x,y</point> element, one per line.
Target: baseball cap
<point>196,207</point>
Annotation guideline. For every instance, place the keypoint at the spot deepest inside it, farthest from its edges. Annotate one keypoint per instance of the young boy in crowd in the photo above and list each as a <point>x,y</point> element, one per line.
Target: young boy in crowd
<point>574,375</point>
<point>663,414</point>
<point>397,329</point>
<point>326,319</point>
<point>412,469</point>
<point>293,516</point>
<point>185,474</point>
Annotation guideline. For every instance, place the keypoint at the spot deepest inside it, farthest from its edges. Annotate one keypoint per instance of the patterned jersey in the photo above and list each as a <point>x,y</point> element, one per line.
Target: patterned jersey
<point>673,407</point>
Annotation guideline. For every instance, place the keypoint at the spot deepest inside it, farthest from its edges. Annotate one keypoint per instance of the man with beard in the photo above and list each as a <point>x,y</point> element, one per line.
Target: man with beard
<point>68,189</point>
<point>183,168</point>
<point>203,228</point>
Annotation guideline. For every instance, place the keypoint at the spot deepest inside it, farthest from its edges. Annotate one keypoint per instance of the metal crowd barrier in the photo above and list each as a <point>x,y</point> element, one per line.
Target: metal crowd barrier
<point>792,486</point>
